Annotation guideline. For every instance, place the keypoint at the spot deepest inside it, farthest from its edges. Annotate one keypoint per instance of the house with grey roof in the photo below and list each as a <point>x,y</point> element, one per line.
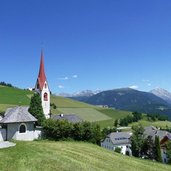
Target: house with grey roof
<point>18,124</point>
<point>164,137</point>
<point>118,140</point>
<point>153,131</point>
<point>69,117</point>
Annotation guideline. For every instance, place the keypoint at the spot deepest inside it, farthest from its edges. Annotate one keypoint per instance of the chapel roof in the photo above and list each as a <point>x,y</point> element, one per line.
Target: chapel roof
<point>17,114</point>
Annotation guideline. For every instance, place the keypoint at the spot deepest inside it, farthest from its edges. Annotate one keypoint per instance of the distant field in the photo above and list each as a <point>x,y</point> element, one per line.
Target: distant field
<point>161,124</point>
<point>113,114</point>
<point>62,102</point>
<point>87,114</point>
<point>10,97</point>
<point>70,156</point>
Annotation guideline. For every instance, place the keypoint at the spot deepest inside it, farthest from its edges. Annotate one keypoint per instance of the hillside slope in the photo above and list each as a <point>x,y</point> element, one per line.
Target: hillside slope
<point>70,156</point>
<point>130,100</point>
<point>10,97</point>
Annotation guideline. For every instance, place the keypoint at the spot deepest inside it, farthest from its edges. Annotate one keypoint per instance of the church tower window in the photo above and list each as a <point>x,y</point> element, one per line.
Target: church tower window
<point>45,97</point>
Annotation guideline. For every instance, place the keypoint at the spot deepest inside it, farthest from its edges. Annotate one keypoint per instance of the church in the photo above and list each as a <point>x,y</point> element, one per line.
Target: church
<point>43,89</point>
<point>18,123</point>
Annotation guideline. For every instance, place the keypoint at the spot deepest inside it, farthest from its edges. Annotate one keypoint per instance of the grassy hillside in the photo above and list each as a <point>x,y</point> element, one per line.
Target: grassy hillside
<point>12,96</point>
<point>113,114</point>
<point>105,117</point>
<point>161,124</point>
<point>62,102</point>
<point>65,156</point>
<point>70,156</point>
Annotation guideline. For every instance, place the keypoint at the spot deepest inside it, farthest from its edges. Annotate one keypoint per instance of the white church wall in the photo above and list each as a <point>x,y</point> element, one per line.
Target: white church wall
<point>13,132</point>
<point>2,134</point>
<point>38,133</point>
<point>46,104</point>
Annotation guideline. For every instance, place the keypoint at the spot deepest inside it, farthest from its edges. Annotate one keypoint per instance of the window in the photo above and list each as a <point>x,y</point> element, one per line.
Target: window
<point>45,97</point>
<point>45,85</point>
<point>22,128</point>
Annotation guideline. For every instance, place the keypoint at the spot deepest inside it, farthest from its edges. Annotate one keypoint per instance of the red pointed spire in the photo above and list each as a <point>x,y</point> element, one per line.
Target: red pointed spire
<point>41,77</point>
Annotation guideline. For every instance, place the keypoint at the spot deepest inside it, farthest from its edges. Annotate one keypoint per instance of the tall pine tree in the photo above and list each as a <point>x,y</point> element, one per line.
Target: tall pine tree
<point>137,140</point>
<point>158,150</point>
<point>36,108</point>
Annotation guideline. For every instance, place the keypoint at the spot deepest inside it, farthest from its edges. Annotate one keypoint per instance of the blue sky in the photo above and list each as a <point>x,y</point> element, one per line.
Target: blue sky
<point>88,44</point>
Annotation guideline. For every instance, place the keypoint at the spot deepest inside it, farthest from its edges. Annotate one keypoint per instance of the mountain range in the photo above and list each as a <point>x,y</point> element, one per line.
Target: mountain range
<point>157,101</point>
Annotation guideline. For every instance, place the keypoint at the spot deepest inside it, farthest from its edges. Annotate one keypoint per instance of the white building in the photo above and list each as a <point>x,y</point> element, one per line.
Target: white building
<point>43,89</point>
<point>18,124</point>
<point>118,140</point>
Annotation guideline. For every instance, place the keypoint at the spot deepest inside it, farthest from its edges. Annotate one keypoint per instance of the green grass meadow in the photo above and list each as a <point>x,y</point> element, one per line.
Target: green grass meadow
<point>70,156</point>
<point>161,124</point>
<point>87,114</point>
<point>11,97</point>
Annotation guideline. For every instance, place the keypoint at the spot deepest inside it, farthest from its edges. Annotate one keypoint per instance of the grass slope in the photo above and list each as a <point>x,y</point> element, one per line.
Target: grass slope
<point>10,97</point>
<point>87,114</point>
<point>70,156</point>
<point>14,96</point>
<point>113,114</point>
<point>62,102</point>
<point>105,117</point>
<point>161,124</point>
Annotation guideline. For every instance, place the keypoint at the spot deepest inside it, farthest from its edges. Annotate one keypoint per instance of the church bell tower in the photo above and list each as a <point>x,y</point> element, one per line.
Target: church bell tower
<point>43,89</point>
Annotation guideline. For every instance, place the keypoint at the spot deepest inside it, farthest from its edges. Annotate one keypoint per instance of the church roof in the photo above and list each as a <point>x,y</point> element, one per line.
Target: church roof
<point>18,114</point>
<point>41,77</point>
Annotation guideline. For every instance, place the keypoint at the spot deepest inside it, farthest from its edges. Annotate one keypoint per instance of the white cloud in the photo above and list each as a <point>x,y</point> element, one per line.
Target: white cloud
<point>75,76</point>
<point>149,84</point>
<point>134,87</point>
<point>61,86</point>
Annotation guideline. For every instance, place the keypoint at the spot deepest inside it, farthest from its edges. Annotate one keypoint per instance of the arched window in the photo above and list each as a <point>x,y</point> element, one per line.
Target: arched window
<point>22,128</point>
<point>45,97</point>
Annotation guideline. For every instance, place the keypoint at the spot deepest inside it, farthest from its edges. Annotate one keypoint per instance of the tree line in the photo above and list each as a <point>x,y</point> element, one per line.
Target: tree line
<point>135,117</point>
<point>64,130</point>
<point>6,84</point>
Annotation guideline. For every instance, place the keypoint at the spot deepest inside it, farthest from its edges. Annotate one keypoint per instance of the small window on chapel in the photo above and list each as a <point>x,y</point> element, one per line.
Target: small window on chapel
<point>45,97</point>
<point>22,128</point>
<point>45,85</point>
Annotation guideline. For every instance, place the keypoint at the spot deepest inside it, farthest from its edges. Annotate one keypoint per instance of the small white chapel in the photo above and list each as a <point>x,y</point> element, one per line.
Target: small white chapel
<point>18,123</point>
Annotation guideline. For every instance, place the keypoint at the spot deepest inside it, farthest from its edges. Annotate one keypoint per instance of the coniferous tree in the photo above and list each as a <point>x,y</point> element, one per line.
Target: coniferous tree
<point>158,150</point>
<point>149,148</point>
<point>168,148</point>
<point>116,123</point>
<point>137,140</point>
<point>36,108</point>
